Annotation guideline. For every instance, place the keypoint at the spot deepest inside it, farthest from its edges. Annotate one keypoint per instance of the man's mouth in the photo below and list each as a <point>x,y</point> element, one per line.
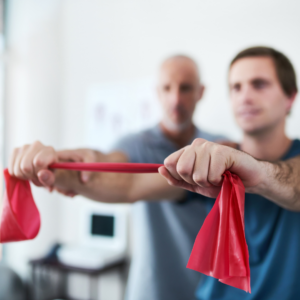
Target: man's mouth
<point>249,113</point>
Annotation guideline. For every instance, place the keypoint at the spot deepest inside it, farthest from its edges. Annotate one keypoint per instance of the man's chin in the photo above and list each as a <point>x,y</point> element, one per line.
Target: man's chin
<point>253,131</point>
<point>176,126</point>
<point>250,128</point>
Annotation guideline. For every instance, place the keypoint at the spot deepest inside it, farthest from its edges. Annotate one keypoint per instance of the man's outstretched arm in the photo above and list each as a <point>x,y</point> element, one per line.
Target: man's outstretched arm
<point>199,168</point>
<point>31,162</point>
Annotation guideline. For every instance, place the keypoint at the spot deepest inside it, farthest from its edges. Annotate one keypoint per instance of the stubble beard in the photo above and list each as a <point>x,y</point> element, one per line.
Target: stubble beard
<point>175,127</point>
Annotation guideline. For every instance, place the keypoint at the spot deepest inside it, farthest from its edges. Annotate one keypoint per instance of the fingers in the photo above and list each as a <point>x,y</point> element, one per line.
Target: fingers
<point>172,181</point>
<point>69,155</point>
<point>89,156</point>
<point>202,163</point>
<point>66,193</point>
<point>163,171</point>
<point>21,161</point>
<point>171,163</point>
<point>12,160</point>
<point>191,163</point>
<point>26,163</point>
<point>79,155</point>
<point>211,192</point>
<point>202,166</point>
<point>185,165</point>
<point>46,178</point>
<point>35,158</point>
<point>219,163</point>
<point>17,170</point>
<point>43,158</point>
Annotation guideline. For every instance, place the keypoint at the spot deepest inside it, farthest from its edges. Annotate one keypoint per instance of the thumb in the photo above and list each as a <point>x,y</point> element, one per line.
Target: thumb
<point>46,178</point>
<point>79,155</point>
<point>89,157</point>
<point>85,176</point>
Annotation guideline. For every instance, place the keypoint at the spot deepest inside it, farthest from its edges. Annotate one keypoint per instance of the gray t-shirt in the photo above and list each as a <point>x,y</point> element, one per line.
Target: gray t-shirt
<point>164,232</point>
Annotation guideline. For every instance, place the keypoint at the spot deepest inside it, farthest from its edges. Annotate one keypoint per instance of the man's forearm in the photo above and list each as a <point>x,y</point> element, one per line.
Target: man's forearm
<point>104,187</point>
<point>281,183</point>
<point>116,187</point>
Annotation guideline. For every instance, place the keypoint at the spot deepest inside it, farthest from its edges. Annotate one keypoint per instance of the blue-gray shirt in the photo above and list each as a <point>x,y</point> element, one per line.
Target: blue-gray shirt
<point>164,232</point>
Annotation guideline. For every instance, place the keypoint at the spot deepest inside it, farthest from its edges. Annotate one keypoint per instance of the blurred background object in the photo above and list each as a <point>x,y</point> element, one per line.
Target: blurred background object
<point>77,73</point>
<point>11,285</point>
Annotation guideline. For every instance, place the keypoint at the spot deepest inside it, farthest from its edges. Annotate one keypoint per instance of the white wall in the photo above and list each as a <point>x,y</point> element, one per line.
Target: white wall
<point>33,104</point>
<point>59,48</point>
<point>114,40</point>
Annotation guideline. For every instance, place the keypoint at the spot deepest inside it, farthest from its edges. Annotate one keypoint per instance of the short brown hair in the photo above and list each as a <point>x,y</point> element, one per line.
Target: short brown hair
<point>284,68</point>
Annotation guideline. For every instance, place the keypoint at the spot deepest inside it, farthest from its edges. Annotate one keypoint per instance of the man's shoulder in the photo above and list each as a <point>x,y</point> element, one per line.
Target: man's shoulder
<point>137,140</point>
<point>139,146</point>
<point>145,134</point>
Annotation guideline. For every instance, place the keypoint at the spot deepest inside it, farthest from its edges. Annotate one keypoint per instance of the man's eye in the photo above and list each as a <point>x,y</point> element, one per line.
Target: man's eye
<point>259,84</point>
<point>236,87</point>
<point>186,88</point>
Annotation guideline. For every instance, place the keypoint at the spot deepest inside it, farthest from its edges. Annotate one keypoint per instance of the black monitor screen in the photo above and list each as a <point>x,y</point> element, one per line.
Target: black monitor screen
<point>103,225</point>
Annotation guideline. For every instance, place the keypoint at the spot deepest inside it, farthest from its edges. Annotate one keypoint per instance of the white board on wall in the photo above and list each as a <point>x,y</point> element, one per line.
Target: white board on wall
<point>115,109</point>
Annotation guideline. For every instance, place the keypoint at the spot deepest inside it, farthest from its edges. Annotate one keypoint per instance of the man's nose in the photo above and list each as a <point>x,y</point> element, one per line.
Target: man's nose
<point>246,95</point>
<point>175,97</point>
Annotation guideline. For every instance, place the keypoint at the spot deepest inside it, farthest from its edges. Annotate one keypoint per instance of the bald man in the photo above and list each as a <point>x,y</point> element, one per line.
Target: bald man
<point>165,229</point>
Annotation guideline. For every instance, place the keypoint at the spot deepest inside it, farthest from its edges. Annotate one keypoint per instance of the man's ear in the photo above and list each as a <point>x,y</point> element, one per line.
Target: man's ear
<point>290,102</point>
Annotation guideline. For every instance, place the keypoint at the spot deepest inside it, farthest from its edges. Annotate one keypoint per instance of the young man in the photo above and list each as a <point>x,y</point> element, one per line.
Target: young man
<point>263,87</point>
<point>164,231</point>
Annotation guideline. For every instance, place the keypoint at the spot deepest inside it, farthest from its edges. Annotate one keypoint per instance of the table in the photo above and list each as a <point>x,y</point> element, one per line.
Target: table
<point>49,278</point>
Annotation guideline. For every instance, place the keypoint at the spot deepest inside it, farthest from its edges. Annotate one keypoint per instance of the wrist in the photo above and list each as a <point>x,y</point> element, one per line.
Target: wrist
<point>266,174</point>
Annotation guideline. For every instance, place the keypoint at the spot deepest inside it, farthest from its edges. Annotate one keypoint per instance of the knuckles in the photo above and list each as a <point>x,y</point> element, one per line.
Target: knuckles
<point>215,180</point>
<point>15,152</point>
<point>168,162</point>
<point>200,180</point>
<point>198,142</point>
<point>219,150</point>
<point>23,149</point>
<point>201,143</point>
<point>39,161</point>
<point>26,168</point>
<point>182,170</point>
<point>37,144</point>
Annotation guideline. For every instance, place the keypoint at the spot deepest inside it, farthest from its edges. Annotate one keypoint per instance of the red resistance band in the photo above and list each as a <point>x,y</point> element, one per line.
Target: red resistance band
<point>220,249</point>
<point>109,167</point>
<point>20,216</point>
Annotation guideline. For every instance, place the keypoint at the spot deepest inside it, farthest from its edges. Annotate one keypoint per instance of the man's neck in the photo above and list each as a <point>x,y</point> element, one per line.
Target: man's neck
<point>180,138</point>
<point>270,145</point>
